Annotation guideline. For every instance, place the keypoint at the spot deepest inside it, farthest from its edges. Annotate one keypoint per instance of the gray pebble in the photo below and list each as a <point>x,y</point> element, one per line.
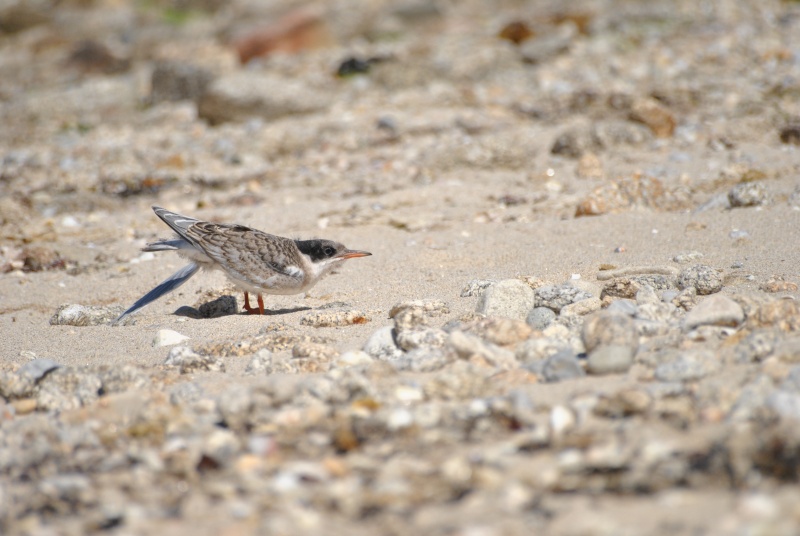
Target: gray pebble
<point>382,345</point>
<point>86,315</point>
<point>476,287</point>
<point>259,363</point>
<point>67,388</point>
<point>688,367</point>
<point>187,360</point>
<point>177,80</point>
<point>421,338</point>
<point>557,297</point>
<point>422,360</point>
<point>38,368</point>
<point>756,346</point>
<point>623,306</point>
<point>716,310</point>
<point>222,306</point>
<point>540,317</point>
<point>538,349</point>
<point>606,328</point>
<point>748,194</point>
<point>687,257</point>
<point>610,359</point>
<point>703,278</point>
<point>510,298</point>
<point>562,366</point>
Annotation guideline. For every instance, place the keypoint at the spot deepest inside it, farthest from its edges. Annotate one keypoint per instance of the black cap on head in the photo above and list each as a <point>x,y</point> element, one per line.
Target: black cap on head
<point>319,250</point>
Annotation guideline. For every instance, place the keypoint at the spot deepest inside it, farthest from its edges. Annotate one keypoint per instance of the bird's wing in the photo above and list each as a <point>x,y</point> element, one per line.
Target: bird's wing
<point>177,222</point>
<point>250,255</point>
<point>168,285</point>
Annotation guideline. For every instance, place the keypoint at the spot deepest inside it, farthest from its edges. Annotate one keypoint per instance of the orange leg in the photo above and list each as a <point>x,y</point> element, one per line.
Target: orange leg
<point>253,310</point>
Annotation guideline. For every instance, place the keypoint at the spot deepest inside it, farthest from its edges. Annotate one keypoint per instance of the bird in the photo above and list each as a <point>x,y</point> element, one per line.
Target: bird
<point>256,262</point>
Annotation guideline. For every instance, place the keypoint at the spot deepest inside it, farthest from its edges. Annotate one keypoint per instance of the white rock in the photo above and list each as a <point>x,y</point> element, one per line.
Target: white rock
<point>167,337</point>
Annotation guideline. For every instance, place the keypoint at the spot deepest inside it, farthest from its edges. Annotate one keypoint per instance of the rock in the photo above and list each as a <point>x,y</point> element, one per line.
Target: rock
<point>178,80</point>
<point>421,338</point>
<point>780,314</point>
<point>562,366</point>
<point>756,346</point>
<point>168,337</point>
<point>689,366</point>
<point>417,314</point>
<point>715,310</point>
<point>582,308</point>
<point>658,118</point>
<point>469,347</point>
<point>538,349</point>
<point>778,284</point>
<point>610,359</point>
<point>222,306</point>
<point>67,388</point>
<point>353,359</point>
<point>623,306</point>
<point>86,315</point>
<point>540,317</point>
<point>476,287</point>
<point>748,194</point>
<point>687,257</point>
<point>381,344</point>
<point>245,95</point>
<point>187,361</point>
<point>259,364</point>
<point>788,350</point>
<point>790,134</point>
<point>610,329</point>
<point>703,278</point>
<point>314,351</point>
<point>326,319</point>
<point>556,297</point>
<point>509,298</point>
<point>501,330</point>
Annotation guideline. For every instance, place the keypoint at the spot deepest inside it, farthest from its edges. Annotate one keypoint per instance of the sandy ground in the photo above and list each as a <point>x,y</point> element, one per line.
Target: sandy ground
<point>466,187</point>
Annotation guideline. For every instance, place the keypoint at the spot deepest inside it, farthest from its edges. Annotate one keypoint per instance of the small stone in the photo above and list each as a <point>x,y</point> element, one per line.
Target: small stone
<point>177,80</point>
<point>168,337</point>
<point>582,308</point>
<point>780,314</point>
<point>538,349</point>
<point>501,330</point>
<point>222,306</point>
<point>259,363</point>
<point>540,317</point>
<point>658,118</point>
<point>67,388</point>
<point>748,194</point>
<point>590,167</point>
<point>421,338</point>
<point>353,359</point>
<point>623,306</point>
<point>624,403</point>
<point>85,315</point>
<point>314,350</point>
<point>788,350</point>
<point>778,284</point>
<point>37,368</point>
<point>756,346</point>
<point>417,314</point>
<point>610,359</point>
<point>187,361</point>
<point>610,329</point>
<point>556,297</point>
<point>687,257</point>
<point>509,298</point>
<point>326,319</point>
<point>716,310</point>
<point>476,287</point>
<point>688,367</point>
<point>704,279</point>
<point>790,134</point>
<point>468,346</point>
<point>562,366</point>
<point>381,344</point>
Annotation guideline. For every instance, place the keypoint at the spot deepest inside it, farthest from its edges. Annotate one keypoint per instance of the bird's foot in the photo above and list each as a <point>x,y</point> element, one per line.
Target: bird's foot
<point>253,310</point>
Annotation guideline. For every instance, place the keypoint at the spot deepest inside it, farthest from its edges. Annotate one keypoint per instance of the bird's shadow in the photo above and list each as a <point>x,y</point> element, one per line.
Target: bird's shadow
<point>227,306</point>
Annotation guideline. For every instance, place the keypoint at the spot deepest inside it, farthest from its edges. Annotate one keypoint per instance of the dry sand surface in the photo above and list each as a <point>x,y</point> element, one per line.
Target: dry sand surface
<point>580,316</point>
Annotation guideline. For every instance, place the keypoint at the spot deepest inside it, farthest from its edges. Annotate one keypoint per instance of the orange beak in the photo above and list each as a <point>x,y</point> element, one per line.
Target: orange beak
<point>352,254</point>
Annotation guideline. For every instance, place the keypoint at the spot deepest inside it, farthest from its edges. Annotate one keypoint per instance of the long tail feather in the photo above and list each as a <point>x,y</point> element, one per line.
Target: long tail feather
<point>168,285</point>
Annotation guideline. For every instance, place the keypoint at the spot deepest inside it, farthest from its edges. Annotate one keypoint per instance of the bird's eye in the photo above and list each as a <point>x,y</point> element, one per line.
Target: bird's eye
<point>329,251</point>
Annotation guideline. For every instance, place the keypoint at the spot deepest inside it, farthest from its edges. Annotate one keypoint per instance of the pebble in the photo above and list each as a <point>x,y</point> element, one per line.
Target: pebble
<point>748,194</point>
<point>702,278</point>
<point>476,287</point>
<point>314,350</point>
<point>610,359</point>
<point>188,361</point>
<point>658,118</point>
<point>715,310</point>
<point>557,297</point>
<point>325,319</point>
<point>582,308</point>
<point>501,330</point>
<point>353,359</point>
<point>86,315</point>
<point>688,367</point>
<point>687,257</point>
<point>540,317</point>
<point>509,298</point>
<point>168,337</point>
<point>382,345</point>
<point>222,306</point>
<point>177,80</point>
<point>259,363</point>
<point>609,329</point>
<point>562,366</point>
